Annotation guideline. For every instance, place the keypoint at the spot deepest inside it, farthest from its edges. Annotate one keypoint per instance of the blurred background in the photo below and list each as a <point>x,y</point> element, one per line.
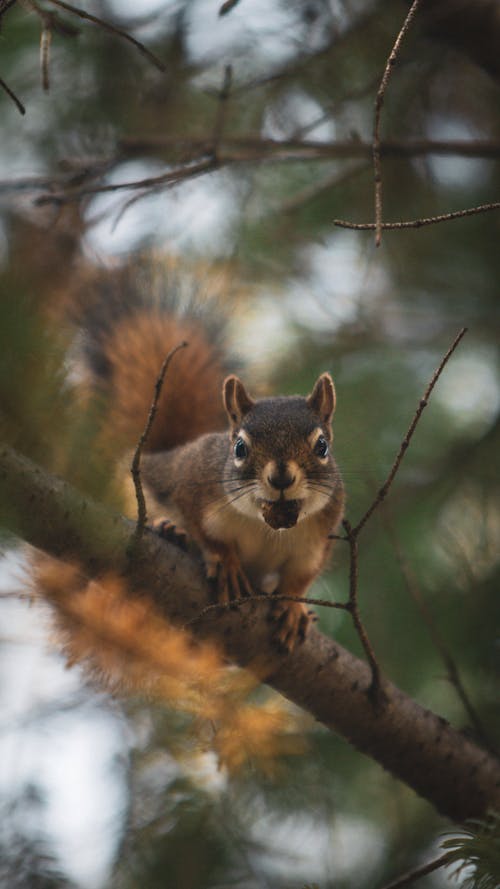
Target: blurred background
<point>249,144</point>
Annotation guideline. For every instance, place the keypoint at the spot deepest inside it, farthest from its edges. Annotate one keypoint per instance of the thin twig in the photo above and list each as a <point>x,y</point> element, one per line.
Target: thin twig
<point>419,223</point>
<point>454,676</point>
<point>17,102</point>
<point>107,26</point>
<point>422,871</point>
<point>135,468</point>
<point>265,597</point>
<point>379,101</point>
<point>411,429</point>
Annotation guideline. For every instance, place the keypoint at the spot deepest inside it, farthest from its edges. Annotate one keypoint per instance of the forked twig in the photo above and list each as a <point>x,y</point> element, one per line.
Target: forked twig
<point>379,101</point>
<point>135,468</point>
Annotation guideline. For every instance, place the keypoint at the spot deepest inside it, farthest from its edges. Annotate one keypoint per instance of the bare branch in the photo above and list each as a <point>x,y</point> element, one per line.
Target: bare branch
<point>418,223</point>
<point>391,61</point>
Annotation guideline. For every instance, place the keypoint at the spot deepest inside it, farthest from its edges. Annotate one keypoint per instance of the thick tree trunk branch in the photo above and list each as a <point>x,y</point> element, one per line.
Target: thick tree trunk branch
<point>459,778</point>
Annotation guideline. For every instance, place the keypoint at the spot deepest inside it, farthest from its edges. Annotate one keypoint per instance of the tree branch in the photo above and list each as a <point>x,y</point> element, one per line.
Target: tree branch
<point>459,778</point>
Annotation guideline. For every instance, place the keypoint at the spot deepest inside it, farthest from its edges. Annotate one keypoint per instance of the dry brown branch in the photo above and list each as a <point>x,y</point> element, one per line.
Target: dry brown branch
<point>418,223</point>
<point>107,26</point>
<point>135,468</point>
<point>17,102</point>
<point>411,876</point>
<point>379,101</point>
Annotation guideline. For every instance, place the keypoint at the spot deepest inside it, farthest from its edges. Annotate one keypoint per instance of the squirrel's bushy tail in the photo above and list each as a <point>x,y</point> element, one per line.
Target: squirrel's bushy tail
<point>130,319</point>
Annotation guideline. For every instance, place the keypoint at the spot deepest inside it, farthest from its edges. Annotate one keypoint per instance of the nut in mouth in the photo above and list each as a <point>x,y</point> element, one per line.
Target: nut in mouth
<point>281,513</point>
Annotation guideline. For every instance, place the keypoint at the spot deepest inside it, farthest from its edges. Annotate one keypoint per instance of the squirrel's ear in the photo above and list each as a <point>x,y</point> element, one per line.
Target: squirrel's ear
<point>236,400</point>
<point>322,399</point>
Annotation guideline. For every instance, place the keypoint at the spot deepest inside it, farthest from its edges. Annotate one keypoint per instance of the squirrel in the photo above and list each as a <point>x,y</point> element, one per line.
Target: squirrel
<point>252,482</point>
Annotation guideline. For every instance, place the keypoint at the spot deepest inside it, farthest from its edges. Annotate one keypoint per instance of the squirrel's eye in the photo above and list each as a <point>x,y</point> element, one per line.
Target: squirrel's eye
<point>240,449</point>
<point>321,446</point>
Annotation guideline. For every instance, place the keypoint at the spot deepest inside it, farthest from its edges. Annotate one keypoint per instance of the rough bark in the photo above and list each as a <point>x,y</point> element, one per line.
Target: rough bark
<point>442,765</point>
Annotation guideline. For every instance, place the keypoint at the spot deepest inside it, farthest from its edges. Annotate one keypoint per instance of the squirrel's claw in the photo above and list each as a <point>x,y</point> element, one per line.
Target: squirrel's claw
<point>168,531</point>
<point>293,621</point>
<point>228,579</point>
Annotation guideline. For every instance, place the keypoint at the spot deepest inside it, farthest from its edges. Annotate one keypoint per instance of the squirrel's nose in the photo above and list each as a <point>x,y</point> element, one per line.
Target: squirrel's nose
<point>281,478</point>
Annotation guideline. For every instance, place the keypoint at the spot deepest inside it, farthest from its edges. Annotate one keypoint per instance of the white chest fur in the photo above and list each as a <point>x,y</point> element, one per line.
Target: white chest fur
<point>266,554</point>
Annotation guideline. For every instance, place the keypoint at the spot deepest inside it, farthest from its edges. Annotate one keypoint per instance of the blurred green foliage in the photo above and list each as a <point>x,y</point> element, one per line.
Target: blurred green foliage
<point>379,320</point>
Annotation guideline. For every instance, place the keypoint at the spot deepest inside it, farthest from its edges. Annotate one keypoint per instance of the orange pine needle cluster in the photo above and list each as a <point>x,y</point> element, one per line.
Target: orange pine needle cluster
<point>129,646</point>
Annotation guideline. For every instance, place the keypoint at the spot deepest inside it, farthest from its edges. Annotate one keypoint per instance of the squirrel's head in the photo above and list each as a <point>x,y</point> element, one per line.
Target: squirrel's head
<point>280,466</point>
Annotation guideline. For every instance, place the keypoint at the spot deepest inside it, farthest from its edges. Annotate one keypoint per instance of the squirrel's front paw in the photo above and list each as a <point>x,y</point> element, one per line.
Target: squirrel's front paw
<point>168,531</point>
<point>228,578</point>
<point>293,619</point>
